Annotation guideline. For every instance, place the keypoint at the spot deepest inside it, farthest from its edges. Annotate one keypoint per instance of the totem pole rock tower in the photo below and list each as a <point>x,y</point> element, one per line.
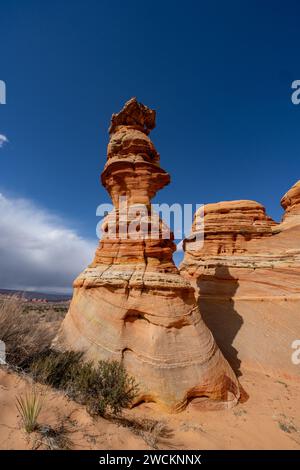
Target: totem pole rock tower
<point>131,304</point>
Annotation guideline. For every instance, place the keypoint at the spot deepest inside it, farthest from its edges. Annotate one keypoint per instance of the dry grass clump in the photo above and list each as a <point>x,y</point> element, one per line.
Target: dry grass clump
<point>53,438</point>
<point>29,407</point>
<point>44,436</point>
<point>24,336</point>
<point>105,387</point>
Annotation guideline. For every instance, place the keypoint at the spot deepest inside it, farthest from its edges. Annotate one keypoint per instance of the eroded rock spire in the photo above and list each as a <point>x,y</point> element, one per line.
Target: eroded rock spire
<point>131,304</point>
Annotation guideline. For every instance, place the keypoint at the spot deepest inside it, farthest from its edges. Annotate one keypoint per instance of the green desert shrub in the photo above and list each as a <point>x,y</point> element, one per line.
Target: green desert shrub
<point>104,387</point>
<point>56,369</point>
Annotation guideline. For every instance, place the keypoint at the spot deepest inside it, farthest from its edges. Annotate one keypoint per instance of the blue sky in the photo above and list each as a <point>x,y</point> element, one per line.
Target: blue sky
<point>218,73</point>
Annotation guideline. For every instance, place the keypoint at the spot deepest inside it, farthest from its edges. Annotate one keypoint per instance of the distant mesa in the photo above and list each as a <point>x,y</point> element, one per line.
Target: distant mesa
<point>35,296</point>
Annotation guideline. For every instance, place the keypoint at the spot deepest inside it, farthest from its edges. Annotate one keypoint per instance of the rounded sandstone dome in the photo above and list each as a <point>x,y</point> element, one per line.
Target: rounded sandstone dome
<point>291,200</point>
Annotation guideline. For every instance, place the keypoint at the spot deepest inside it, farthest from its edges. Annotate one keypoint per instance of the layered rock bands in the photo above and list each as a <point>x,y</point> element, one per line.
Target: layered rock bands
<point>247,279</point>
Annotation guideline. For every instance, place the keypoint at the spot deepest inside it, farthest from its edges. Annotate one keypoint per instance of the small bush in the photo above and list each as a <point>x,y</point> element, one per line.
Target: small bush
<point>105,387</point>
<point>55,368</point>
<point>29,408</point>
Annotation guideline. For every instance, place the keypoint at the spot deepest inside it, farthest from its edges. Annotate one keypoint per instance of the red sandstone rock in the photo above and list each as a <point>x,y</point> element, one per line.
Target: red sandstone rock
<point>247,279</point>
<point>230,225</point>
<point>291,203</point>
<point>131,304</point>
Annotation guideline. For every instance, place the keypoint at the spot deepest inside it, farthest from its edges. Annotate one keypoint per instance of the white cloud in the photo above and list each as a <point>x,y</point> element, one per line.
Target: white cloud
<point>37,252</point>
<point>3,140</point>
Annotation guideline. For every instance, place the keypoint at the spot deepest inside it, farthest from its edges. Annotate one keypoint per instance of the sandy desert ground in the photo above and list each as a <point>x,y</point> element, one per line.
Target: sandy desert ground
<point>268,418</point>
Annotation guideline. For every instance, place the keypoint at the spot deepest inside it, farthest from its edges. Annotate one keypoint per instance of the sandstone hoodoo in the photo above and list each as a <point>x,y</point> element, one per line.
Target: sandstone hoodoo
<point>246,275</point>
<point>131,304</point>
